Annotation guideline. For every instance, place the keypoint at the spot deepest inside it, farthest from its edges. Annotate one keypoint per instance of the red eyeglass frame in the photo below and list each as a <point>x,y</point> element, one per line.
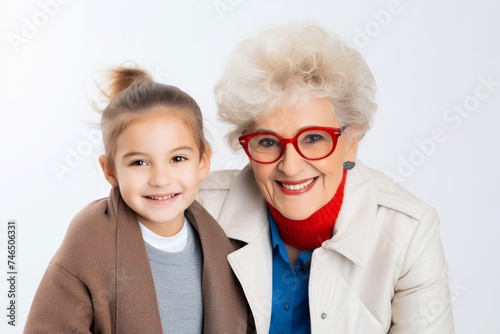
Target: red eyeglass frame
<point>334,132</point>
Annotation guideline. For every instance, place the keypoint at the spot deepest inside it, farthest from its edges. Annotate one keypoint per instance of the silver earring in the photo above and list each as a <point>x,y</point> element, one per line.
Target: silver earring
<point>348,165</point>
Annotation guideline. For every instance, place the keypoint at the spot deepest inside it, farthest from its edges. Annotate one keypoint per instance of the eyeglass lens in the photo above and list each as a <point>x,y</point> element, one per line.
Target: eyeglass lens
<point>311,144</point>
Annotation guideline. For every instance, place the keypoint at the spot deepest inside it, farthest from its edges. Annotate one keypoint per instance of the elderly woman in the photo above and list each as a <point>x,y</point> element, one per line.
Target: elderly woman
<point>327,245</point>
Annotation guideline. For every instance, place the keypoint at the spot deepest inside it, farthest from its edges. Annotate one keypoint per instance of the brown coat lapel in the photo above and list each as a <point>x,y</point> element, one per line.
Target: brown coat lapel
<point>224,303</point>
<point>136,304</point>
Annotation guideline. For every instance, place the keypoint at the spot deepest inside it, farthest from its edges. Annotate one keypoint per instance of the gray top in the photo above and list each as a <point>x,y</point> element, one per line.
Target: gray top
<point>177,280</point>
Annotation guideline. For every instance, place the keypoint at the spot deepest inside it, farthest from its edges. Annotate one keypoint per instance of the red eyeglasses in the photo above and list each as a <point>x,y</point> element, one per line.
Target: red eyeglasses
<point>313,143</point>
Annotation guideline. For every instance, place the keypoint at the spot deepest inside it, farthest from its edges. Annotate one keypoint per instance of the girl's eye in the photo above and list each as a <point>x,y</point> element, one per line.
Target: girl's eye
<point>178,158</point>
<point>138,163</point>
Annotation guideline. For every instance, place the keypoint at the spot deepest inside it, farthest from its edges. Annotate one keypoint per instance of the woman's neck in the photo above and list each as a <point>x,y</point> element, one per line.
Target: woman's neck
<point>310,233</point>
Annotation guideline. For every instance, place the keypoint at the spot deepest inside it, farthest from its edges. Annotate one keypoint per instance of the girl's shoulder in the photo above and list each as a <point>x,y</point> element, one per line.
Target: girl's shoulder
<point>89,238</point>
<point>90,219</point>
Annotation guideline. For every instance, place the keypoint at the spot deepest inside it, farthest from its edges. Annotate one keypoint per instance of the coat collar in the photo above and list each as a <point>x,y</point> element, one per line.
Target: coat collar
<point>244,214</point>
<point>134,286</point>
<point>353,230</point>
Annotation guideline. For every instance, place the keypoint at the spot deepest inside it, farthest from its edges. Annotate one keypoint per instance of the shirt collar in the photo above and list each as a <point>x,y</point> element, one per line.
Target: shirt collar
<point>276,241</point>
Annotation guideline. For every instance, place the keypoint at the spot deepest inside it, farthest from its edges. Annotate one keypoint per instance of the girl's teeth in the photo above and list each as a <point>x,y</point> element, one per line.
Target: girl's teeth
<point>162,198</point>
<point>297,186</point>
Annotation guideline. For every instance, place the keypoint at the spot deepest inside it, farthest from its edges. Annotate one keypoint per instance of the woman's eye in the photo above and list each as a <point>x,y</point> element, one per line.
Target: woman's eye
<point>267,142</point>
<point>178,158</point>
<point>138,163</point>
<point>313,138</point>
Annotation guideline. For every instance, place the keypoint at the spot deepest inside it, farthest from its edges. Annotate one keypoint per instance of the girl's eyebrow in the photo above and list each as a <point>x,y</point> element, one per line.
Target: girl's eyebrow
<point>180,148</point>
<point>134,153</point>
<point>131,154</point>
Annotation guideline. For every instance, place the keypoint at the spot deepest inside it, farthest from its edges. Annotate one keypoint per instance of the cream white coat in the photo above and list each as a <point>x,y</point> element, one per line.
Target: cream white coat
<point>383,271</point>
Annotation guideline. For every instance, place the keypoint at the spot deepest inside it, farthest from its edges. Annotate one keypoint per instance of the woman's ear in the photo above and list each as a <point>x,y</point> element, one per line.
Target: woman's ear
<point>353,135</point>
<point>109,173</point>
<point>352,149</point>
<point>204,168</point>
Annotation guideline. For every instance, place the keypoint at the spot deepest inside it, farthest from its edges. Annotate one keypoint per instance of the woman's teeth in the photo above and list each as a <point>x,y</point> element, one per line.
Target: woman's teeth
<point>297,186</point>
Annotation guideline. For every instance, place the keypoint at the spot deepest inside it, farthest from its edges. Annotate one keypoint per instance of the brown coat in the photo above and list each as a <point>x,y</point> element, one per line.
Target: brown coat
<point>100,281</point>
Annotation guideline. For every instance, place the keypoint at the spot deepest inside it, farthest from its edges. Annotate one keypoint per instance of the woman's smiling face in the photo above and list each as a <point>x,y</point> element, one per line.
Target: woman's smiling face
<point>295,186</point>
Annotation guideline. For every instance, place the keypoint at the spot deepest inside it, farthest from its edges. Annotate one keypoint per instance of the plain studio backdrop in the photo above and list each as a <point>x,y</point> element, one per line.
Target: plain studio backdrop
<point>436,130</point>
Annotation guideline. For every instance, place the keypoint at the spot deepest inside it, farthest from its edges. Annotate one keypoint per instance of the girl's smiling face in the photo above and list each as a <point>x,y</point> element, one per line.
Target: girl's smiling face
<point>295,186</point>
<point>158,170</point>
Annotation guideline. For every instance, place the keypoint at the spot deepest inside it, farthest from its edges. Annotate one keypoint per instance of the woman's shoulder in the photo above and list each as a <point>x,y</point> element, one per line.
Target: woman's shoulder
<point>220,179</point>
<point>215,188</point>
<point>402,216</point>
<point>393,196</point>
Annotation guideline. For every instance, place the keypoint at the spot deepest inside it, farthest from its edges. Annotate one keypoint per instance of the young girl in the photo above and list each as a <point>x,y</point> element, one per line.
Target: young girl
<point>149,258</point>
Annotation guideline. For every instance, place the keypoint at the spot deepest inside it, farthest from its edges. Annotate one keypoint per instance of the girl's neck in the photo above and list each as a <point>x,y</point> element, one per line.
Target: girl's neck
<point>166,229</point>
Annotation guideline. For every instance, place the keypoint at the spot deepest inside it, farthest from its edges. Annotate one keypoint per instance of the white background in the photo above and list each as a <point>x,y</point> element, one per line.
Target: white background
<point>428,57</point>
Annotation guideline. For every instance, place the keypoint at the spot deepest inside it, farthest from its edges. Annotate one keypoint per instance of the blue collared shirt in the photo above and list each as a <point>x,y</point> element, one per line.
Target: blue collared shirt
<point>290,308</point>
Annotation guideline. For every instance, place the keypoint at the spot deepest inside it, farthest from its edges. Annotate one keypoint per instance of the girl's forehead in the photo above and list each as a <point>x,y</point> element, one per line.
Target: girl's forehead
<point>157,131</point>
<point>156,137</point>
<point>159,114</point>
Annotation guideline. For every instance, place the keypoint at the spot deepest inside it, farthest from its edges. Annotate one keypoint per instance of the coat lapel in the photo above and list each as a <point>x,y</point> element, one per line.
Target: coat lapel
<point>244,213</point>
<point>136,303</point>
<point>253,267</point>
<point>353,230</point>
<point>224,304</point>
<point>331,295</point>
<point>244,217</point>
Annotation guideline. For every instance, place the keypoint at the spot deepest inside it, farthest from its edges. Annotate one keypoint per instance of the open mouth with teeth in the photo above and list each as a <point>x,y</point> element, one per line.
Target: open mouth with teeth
<point>298,187</point>
<point>163,198</point>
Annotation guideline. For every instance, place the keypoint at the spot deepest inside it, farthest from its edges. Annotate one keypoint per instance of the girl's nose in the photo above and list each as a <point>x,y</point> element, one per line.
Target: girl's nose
<point>159,177</point>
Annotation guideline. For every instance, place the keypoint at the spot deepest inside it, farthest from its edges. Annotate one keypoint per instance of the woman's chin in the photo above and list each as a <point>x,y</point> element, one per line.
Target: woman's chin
<point>295,214</point>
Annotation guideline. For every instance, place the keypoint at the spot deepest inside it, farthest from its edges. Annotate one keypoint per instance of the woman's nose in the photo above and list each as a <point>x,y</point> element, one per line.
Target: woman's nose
<point>291,162</point>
